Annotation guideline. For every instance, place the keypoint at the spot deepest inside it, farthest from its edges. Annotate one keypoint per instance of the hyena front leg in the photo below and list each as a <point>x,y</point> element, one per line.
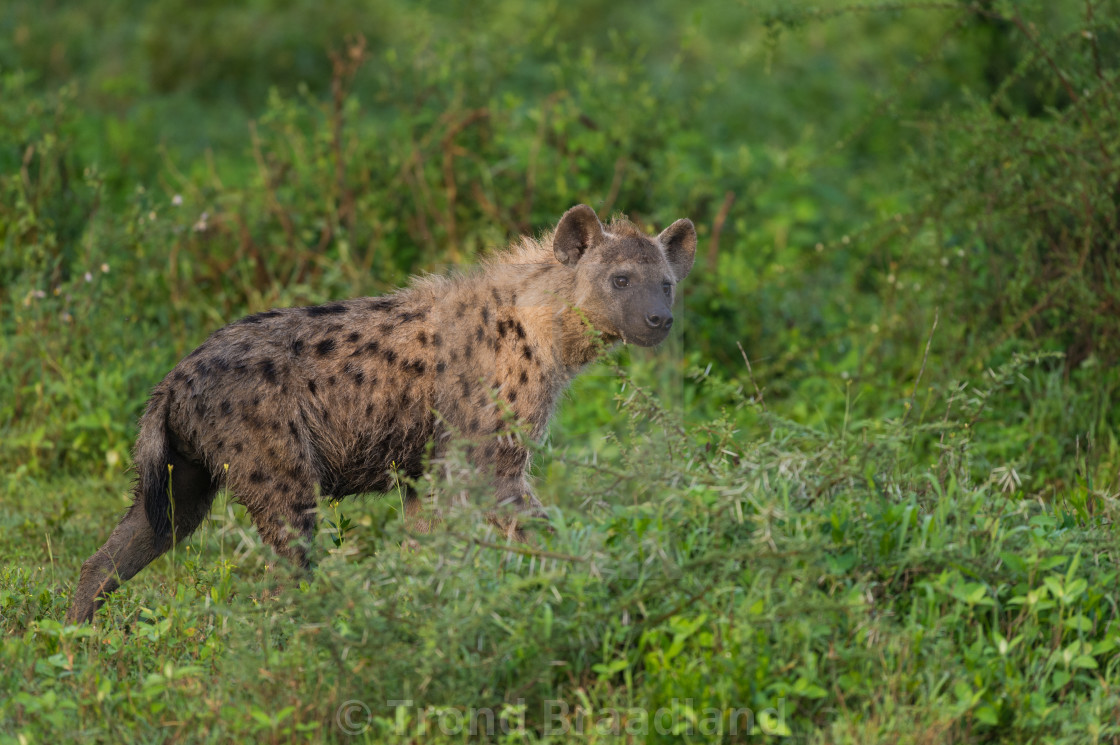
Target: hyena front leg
<point>510,461</point>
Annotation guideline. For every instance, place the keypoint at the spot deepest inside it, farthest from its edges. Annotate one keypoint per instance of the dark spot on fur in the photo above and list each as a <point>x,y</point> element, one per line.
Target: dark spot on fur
<point>369,409</point>
<point>502,327</point>
<point>330,309</point>
<point>467,351</point>
<point>511,395</point>
<point>332,380</point>
<point>245,346</point>
<point>519,329</point>
<point>416,367</point>
<point>312,387</point>
<point>353,337</point>
<point>436,340</point>
<point>367,348</point>
<point>524,378</point>
<point>497,295</point>
<point>221,444</point>
<point>268,370</point>
<point>359,377</point>
<point>390,356</point>
<point>222,364</point>
<point>422,338</point>
<point>382,303</point>
<point>258,317</point>
<point>257,477</point>
<point>479,333</point>
<point>227,407</point>
<point>408,316</point>
<point>441,366</point>
<point>238,447</point>
<point>473,425</point>
<point>527,353</point>
<point>293,429</point>
<point>325,347</point>
<point>460,308</point>
<point>256,401</point>
<point>486,314</point>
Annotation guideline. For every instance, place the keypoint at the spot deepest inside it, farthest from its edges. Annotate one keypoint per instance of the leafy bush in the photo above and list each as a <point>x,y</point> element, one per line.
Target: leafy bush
<point>1024,185</point>
<point>828,582</point>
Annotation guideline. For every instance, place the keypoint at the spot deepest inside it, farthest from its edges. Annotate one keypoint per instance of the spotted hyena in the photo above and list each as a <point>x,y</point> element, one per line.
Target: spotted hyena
<point>291,405</point>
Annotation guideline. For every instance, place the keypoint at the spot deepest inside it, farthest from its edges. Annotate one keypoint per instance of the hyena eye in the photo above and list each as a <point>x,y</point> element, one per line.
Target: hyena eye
<point>621,282</point>
<point>667,288</point>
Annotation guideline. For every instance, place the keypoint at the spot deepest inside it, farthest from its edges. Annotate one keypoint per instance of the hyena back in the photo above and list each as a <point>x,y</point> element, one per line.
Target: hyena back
<point>288,406</point>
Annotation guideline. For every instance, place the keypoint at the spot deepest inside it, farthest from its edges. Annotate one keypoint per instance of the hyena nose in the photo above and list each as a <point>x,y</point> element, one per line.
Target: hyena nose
<point>658,321</point>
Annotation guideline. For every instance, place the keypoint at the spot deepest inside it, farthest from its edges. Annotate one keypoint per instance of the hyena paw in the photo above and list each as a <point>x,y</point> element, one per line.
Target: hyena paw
<point>527,511</point>
<point>526,504</point>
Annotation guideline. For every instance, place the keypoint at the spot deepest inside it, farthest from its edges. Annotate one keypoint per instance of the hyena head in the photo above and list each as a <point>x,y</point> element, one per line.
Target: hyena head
<point>625,280</point>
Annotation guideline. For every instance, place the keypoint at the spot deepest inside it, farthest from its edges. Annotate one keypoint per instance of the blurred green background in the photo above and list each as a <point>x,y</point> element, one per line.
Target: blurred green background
<point>853,171</point>
<point>908,217</point>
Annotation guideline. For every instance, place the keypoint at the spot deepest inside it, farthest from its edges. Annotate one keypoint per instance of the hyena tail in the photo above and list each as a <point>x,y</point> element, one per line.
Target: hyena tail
<point>153,461</point>
<point>173,495</point>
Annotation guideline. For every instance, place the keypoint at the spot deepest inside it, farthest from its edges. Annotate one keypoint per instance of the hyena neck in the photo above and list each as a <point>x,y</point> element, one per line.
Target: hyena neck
<point>580,343</point>
<point>544,292</point>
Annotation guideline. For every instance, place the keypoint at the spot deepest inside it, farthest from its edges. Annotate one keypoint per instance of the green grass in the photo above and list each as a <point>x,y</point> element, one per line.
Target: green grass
<point>896,523</point>
<point>829,578</point>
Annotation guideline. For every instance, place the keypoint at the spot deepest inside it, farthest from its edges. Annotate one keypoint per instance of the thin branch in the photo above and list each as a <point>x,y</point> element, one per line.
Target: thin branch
<point>922,369</point>
<point>750,374</point>
<point>523,550</point>
<point>717,229</point>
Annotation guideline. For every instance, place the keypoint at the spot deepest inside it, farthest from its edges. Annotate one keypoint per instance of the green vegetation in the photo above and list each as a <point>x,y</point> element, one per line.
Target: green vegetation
<point>892,517</point>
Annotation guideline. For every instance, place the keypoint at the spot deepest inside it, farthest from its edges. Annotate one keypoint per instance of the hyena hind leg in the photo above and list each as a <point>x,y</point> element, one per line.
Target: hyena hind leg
<point>133,544</point>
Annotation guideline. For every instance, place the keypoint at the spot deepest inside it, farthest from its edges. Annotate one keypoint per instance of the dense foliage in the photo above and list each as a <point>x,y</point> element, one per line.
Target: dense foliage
<point>869,493</point>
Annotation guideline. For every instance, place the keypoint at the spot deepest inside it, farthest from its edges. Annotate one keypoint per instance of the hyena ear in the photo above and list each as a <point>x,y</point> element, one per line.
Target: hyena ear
<point>579,230</point>
<point>679,242</point>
